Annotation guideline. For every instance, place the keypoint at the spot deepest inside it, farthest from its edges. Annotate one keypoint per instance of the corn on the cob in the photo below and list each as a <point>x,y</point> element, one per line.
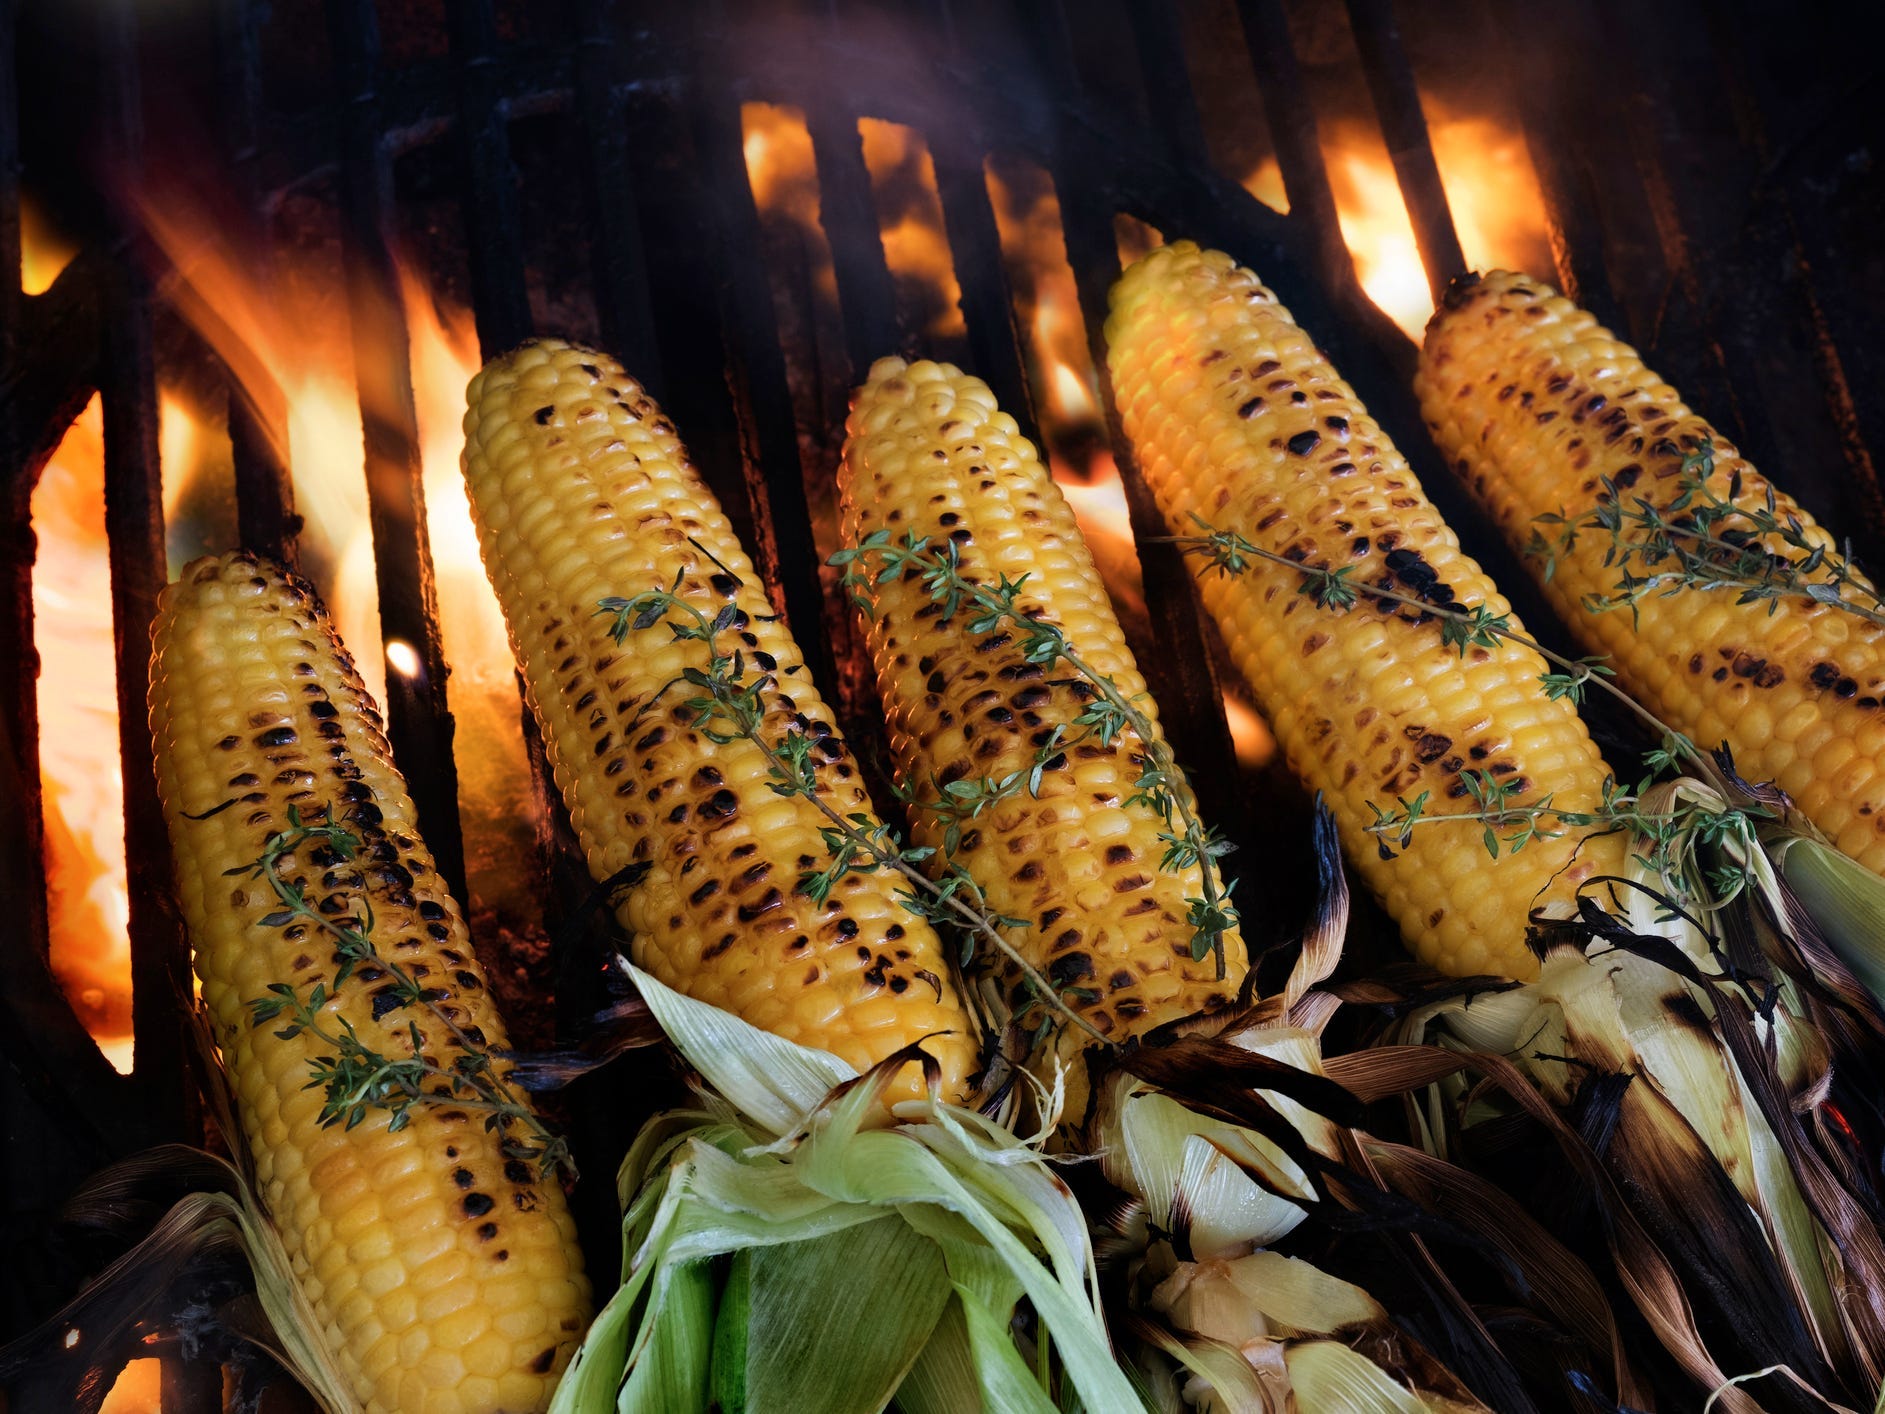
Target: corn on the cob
<point>1239,420</point>
<point>1535,403</point>
<point>447,1274</point>
<point>582,490</point>
<point>930,455</point>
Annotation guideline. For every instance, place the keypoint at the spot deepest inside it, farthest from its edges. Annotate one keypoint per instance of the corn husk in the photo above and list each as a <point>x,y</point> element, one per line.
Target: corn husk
<point>1219,1146</point>
<point>791,1244</point>
<point>1688,1037</point>
<point>215,1237</point>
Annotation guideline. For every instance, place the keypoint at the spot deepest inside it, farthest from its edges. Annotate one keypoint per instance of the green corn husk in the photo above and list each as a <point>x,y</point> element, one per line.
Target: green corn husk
<point>1692,1033</point>
<point>877,1258</point>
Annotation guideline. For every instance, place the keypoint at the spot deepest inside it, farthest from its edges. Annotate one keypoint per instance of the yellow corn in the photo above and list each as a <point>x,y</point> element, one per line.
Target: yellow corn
<point>447,1275</point>
<point>1534,402</point>
<point>930,455</point>
<point>582,490</point>
<point>1239,420</point>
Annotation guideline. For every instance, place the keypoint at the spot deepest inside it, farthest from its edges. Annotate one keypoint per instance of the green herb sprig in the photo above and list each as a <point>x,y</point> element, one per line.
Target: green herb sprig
<point>730,702</point>
<point>1701,539</point>
<point>1108,714</point>
<point>357,1079</point>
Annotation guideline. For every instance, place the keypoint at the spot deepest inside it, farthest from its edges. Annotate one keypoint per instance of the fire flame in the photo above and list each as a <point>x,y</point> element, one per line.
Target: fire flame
<point>88,904</point>
<point>287,344</point>
<point>1491,187</point>
<point>139,1389</point>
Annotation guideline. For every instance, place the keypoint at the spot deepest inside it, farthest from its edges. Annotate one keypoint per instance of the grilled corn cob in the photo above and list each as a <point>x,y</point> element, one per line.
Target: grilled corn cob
<point>582,490</point>
<point>1238,420</point>
<point>1535,403</point>
<point>930,455</point>
<point>447,1275</point>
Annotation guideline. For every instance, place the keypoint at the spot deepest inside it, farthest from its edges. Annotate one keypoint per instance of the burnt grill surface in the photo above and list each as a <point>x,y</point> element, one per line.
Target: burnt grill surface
<point>578,169</point>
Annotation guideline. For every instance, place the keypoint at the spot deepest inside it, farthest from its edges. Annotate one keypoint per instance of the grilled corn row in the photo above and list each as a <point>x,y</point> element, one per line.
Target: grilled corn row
<point>1534,403</point>
<point>1238,420</point>
<point>929,454</point>
<point>582,490</point>
<point>446,1274</point>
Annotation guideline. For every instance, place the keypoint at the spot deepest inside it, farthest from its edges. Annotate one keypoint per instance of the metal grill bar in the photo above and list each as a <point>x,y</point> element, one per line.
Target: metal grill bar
<point>1176,661</point>
<point>782,533</point>
<point>867,299</point>
<point>492,223</point>
<point>1292,121</point>
<point>265,500</point>
<point>419,721</point>
<point>618,266</point>
<point>1404,124</point>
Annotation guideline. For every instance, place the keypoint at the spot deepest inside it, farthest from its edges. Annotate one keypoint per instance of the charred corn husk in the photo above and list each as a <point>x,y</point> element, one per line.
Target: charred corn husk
<point>929,455</point>
<point>1536,404</point>
<point>445,1274</point>
<point>581,490</point>
<point>1240,422</point>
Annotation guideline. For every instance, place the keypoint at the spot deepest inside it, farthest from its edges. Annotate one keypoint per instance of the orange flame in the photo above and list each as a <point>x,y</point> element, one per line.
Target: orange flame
<point>81,777</point>
<point>139,1389</point>
<point>1491,187</point>
<point>903,180</point>
<point>287,343</point>
<point>43,253</point>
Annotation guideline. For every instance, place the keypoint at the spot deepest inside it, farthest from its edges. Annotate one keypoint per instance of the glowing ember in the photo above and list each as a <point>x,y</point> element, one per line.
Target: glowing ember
<point>1491,187</point>
<point>402,658</point>
<point>89,909</point>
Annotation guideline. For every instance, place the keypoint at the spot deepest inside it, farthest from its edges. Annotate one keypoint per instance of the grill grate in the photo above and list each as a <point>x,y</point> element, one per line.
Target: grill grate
<point>1694,199</point>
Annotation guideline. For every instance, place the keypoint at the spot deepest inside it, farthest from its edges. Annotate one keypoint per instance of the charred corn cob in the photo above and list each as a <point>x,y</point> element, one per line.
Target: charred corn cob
<point>447,1274</point>
<point>1239,421</point>
<point>1535,404</point>
<point>581,490</point>
<point>930,455</point>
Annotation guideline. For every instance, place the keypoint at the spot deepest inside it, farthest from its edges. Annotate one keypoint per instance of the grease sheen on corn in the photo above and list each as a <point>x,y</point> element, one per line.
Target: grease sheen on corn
<point>447,1275</point>
<point>582,490</point>
<point>930,454</point>
<point>1238,419</point>
<point>1534,402</point>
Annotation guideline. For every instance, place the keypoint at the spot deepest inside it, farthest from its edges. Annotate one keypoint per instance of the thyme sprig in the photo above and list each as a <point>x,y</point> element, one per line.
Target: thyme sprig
<point>1108,714</point>
<point>1663,838</point>
<point>1701,539</point>
<point>357,1079</point>
<point>730,702</point>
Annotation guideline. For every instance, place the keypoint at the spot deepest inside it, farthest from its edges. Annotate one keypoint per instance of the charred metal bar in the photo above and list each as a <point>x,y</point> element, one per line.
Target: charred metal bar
<point>1404,125</point>
<point>1173,106</point>
<point>1549,114</point>
<point>617,264</point>
<point>265,503</point>
<point>420,723</point>
<point>1292,120</point>
<point>782,533</point>
<point>995,344</point>
<point>134,530</point>
<point>10,295</point>
<point>493,226</point>
<point>1177,661</point>
<point>867,296</point>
